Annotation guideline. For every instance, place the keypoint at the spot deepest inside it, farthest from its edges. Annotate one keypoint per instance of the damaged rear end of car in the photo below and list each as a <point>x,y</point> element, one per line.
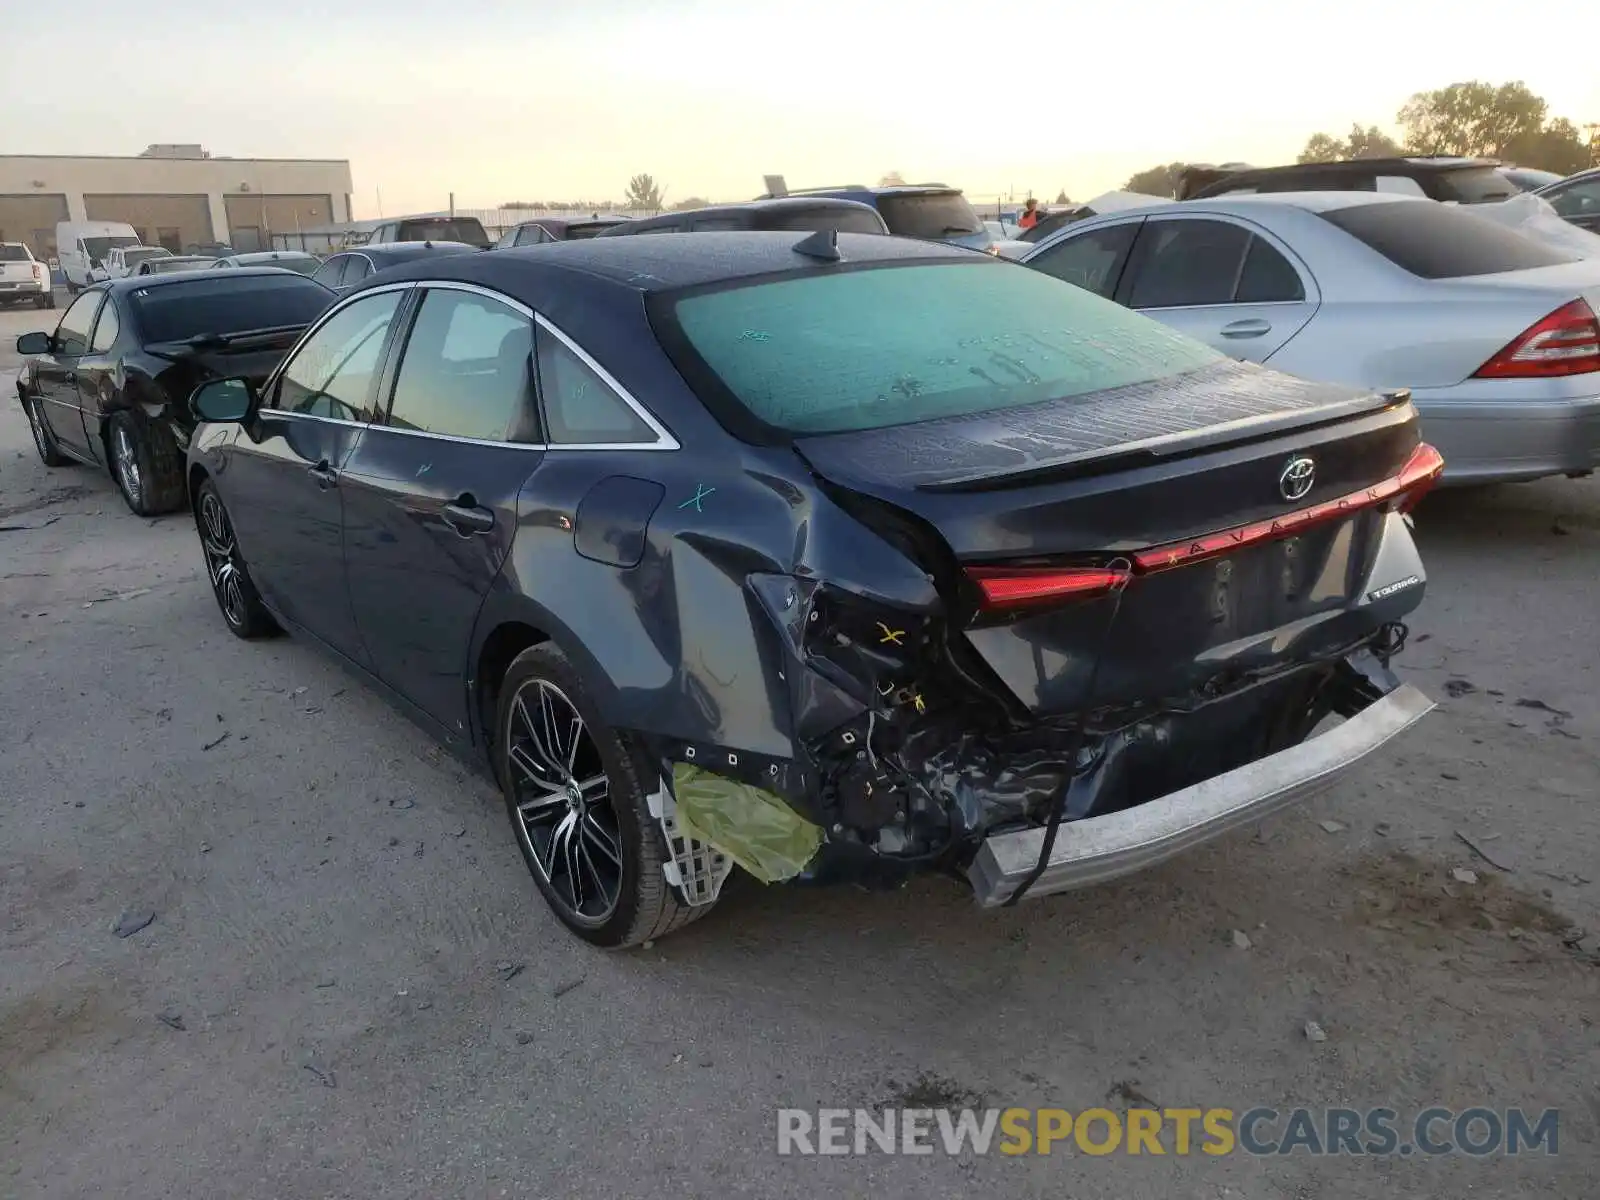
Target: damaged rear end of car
<point>1124,594</point>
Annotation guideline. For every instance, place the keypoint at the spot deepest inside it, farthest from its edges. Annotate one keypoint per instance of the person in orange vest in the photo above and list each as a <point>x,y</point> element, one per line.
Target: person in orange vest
<point>1030,214</point>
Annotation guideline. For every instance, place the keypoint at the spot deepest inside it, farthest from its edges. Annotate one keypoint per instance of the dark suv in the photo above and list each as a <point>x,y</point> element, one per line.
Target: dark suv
<point>934,212</point>
<point>1463,180</point>
<point>790,212</point>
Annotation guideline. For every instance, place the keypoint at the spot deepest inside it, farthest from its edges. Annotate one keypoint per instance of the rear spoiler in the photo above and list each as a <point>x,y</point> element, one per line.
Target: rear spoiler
<point>244,340</point>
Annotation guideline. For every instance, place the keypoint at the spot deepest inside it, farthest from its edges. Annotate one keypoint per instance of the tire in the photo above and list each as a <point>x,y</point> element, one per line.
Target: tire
<point>146,464</point>
<point>235,591</point>
<point>43,440</point>
<point>594,816</point>
<point>48,300</point>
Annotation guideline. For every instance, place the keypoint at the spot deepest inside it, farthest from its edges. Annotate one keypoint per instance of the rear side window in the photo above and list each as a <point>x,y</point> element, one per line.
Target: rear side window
<point>1472,185</point>
<point>580,407</point>
<point>882,346</point>
<point>1267,277</point>
<point>929,215</point>
<point>1092,261</point>
<point>1434,241</point>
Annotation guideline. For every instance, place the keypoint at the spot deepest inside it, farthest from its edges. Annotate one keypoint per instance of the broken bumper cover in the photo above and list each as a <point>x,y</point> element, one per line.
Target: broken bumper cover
<point>1097,849</point>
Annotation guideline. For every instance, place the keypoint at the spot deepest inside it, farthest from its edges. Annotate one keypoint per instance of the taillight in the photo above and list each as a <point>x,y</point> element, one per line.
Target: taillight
<point>1567,342</point>
<point>1417,477</point>
<point>38,271</point>
<point>1004,587</point>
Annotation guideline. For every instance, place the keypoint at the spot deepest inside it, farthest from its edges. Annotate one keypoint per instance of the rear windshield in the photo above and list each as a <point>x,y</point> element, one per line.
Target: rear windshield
<point>444,229</point>
<point>221,302</point>
<point>304,263</point>
<point>845,220</point>
<point>1435,241</point>
<point>15,254</point>
<point>1473,185</point>
<point>578,232</point>
<point>96,247</point>
<point>930,215</point>
<point>874,347</point>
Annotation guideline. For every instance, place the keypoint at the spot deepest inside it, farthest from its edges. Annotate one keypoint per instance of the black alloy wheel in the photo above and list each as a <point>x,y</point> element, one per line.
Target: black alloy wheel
<point>241,605</point>
<point>573,790</point>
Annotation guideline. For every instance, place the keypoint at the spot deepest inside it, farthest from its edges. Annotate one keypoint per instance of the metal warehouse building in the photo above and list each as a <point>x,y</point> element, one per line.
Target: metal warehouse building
<point>176,196</point>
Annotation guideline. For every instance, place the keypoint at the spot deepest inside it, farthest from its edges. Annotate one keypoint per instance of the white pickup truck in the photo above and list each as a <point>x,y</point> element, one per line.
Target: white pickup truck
<point>23,277</point>
<point>122,261</point>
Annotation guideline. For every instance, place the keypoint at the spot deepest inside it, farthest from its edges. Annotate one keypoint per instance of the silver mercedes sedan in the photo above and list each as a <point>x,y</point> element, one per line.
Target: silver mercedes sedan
<point>1495,334</point>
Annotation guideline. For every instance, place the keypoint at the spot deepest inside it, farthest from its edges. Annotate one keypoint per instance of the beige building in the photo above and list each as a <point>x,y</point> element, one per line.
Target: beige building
<point>177,196</point>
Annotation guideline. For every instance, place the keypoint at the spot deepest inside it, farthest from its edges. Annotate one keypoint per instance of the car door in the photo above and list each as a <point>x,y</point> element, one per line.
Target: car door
<point>431,491</point>
<point>56,374</point>
<point>1221,280</point>
<point>283,480</point>
<point>1093,259</point>
<point>96,383</point>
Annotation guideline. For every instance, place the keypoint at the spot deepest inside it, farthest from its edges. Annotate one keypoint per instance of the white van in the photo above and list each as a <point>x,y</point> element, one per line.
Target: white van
<point>82,246</point>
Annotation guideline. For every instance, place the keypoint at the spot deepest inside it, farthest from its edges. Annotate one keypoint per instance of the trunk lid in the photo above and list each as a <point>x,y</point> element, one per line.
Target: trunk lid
<point>1116,475</point>
<point>14,270</point>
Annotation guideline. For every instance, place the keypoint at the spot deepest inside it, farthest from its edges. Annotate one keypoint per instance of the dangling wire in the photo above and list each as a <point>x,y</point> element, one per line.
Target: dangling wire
<point>1124,568</point>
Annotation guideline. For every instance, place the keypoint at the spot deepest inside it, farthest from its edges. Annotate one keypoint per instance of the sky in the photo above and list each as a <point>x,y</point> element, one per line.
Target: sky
<point>499,100</point>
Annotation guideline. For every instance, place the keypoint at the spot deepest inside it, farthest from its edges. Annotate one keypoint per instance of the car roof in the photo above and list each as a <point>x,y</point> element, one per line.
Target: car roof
<point>131,283</point>
<point>670,261</point>
<point>1316,202</point>
<point>779,204</point>
<point>844,191</point>
<point>264,255</point>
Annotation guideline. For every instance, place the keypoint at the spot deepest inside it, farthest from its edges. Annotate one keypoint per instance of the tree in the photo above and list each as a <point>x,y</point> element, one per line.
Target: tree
<point>1061,197</point>
<point>1560,147</point>
<point>644,193</point>
<point>1156,181</point>
<point>691,202</point>
<point>1473,118</point>
<point>892,179</point>
<point>1370,142</point>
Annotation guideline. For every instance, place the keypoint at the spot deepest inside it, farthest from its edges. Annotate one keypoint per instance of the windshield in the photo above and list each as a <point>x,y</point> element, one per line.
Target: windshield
<point>143,252</point>
<point>444,229</point>
<point>874,347</point>
<point>221,302</point>
<point>929,215</point>
<point>15,254</point>
<point>96,247</point>
<point>1474,185</point>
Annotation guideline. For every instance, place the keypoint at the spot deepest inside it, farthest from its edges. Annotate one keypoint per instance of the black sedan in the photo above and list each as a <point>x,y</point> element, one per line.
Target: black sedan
<point>341,272</point>
<point>110,386</point>
<point>830,556</point>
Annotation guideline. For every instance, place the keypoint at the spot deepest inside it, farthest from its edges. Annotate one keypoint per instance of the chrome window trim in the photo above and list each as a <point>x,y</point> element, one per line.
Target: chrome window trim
<point>664,439</point>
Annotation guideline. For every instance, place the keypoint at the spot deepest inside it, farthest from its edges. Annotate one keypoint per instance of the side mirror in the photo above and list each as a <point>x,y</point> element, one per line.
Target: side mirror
<point>30,344</point>
<point>224,400</point>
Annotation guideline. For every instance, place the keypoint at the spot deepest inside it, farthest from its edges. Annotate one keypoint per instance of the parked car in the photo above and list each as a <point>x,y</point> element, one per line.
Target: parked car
<point>121,261</point>
<point>1527,179</point>
<point>714,552</point>
<point>23,277</point>
<point>431,229</point>
<point>930,211</point>
<point>171,264</point>
<point>1440,177</point>
<point>284,260</point>
<point>82,246</point>
<point>1053,220</point>
<point>1494,333</point>
<point>341,272</point>
<point>791,212</point>
<point>110,386</point>
<point>1576,198</point>
<point>557,229</point>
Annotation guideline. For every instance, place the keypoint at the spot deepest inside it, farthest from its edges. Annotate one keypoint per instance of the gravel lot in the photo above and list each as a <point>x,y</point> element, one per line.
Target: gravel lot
<point>351,987</point>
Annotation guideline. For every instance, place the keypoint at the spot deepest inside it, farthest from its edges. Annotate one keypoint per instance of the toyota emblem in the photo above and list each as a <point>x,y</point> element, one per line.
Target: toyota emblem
<point>1299,473</point>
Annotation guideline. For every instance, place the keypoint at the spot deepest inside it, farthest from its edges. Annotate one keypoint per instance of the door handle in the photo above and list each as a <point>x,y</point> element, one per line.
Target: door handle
<point>324,474</point>
<point>1253,327</point>
<point>467,518</point>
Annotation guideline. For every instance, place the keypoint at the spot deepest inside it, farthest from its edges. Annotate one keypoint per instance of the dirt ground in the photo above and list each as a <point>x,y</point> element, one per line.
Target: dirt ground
<point>350,987</point>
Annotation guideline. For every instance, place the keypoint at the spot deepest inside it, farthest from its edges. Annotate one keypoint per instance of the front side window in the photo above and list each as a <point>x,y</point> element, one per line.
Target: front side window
<point>893,345</point>
<point>466,369</point>
<point>331,375</point>
<point>1093,260</point>
<point>580,407</point>
<point>530,235</point>
<point>106,329</point>
<point>1582,199</point>
<point>72,334</point>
